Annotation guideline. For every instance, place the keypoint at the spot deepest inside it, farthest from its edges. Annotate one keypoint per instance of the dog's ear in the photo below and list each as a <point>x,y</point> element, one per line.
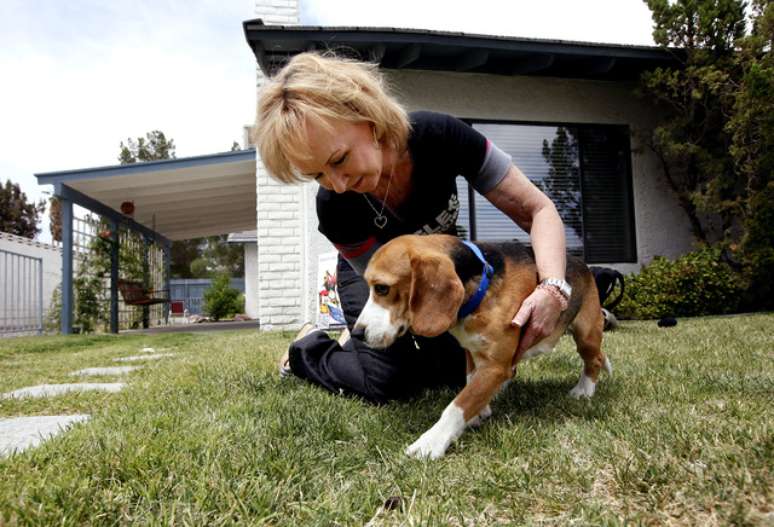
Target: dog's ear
<point>436,295</point>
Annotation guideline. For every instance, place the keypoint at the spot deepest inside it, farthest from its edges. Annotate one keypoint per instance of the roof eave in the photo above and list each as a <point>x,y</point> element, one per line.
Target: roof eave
<point>396,48</point>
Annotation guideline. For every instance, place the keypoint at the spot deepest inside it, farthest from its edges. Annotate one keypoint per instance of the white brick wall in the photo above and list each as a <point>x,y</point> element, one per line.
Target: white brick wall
<point>279,234</point>
<point>286,225</point>
<point>280,12</point>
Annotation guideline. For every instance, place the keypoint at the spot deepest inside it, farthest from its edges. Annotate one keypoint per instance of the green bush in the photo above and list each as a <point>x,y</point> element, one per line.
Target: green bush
<point>696,284</point>
<point>221,300</point>
<point>757,251</point>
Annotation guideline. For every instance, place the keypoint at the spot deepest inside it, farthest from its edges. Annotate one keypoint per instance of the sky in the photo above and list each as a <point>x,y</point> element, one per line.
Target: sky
<point>81,76</point>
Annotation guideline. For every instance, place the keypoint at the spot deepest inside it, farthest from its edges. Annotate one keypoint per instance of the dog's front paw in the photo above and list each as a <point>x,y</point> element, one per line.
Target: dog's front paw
<point>584,388</point>
<point>430,445</point>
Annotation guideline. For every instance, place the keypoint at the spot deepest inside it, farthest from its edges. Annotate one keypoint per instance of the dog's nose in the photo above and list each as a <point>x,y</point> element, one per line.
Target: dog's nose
<point>358,332</point>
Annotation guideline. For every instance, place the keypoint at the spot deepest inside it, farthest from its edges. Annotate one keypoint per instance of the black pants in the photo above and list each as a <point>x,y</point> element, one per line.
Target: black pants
<point>398,372</point>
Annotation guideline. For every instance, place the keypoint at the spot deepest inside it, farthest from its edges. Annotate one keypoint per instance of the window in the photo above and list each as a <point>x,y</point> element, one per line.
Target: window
<point>583,169</point>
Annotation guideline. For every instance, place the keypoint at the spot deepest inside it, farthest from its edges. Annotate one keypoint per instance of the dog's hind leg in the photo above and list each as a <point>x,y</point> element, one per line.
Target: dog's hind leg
<point>587,332</point>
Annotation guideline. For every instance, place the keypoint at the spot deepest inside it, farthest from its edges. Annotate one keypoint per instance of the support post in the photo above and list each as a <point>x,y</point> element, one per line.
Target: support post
<point>66,208</point>
<point>40,296</point>
<point>114,251</point>
<point>145,281</point>
<point>167,278</point>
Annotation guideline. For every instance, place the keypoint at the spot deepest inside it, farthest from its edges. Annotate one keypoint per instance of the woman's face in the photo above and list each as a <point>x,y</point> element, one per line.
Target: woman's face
<point>342,156</point>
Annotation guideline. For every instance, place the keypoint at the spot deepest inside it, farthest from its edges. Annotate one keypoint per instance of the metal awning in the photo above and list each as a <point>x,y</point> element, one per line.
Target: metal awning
<point>179,199</point>
<point>174,199</point>
<point>394,48</point>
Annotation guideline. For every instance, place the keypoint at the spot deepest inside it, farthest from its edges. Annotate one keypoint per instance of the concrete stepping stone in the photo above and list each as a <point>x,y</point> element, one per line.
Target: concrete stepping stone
<point>49,390</point>
<point>135,358</point>
<point>112,370</point>
<point>20,433</point>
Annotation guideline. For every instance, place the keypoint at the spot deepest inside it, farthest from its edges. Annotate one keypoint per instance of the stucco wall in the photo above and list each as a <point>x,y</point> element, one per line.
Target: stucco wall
<point>251,280</point>
<point>52,266</point>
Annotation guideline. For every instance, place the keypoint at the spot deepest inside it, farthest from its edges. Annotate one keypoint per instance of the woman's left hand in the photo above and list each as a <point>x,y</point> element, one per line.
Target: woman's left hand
<point>541,311</point>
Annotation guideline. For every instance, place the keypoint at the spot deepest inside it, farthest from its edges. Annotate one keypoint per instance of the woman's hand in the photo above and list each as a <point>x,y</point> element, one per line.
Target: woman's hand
<point>539,313</point>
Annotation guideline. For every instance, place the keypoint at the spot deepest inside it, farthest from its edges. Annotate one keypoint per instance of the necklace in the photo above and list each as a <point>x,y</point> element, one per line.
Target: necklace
<point>381,220</point>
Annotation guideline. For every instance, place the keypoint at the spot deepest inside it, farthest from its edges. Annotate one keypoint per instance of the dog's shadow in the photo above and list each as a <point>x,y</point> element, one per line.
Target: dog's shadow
<point>542,400</point>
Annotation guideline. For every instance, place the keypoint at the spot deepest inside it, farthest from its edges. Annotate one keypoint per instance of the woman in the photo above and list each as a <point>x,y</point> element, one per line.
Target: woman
<point>383,173</point>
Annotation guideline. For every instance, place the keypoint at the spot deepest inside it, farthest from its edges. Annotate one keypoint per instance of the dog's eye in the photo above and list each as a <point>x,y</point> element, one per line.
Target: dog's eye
<point>381,289</point>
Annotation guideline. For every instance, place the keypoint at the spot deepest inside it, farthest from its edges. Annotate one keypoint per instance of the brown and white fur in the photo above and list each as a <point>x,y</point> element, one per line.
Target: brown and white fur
<point>418,283</point>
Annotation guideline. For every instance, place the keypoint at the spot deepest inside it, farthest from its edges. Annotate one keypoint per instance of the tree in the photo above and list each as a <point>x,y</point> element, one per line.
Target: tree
<point>221,300</point>
<point>224,257</point>
<point>183,253</point>
<point>562,184</point>
<point>17,215</point>
<point>55,218</point>
<point>153,147</point>
<point>715,143</point>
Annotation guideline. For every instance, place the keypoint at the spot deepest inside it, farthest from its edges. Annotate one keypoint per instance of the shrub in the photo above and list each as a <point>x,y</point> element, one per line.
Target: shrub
<point>221,300</point>
<point>697,283</point>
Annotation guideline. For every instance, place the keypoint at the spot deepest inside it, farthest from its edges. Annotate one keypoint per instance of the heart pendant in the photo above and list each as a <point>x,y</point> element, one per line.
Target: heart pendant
<point>380,221</point>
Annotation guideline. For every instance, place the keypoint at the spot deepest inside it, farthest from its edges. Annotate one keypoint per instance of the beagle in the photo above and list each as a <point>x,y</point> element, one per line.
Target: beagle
<point>425,284</point>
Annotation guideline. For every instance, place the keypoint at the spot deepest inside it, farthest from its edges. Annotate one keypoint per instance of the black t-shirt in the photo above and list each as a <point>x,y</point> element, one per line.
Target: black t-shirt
<point>441,148</point>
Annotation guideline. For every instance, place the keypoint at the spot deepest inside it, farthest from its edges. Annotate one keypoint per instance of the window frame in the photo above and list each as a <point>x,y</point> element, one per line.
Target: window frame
<point>628,179</point>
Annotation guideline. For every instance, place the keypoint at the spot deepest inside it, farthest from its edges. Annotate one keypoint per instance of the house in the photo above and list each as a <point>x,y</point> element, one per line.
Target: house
<point>565,112</point>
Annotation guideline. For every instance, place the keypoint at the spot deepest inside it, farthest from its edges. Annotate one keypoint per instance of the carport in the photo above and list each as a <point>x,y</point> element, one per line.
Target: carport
<point>174,199</point>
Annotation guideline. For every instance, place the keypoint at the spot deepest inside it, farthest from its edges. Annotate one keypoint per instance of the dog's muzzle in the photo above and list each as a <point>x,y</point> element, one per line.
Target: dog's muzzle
<point>375,328</point>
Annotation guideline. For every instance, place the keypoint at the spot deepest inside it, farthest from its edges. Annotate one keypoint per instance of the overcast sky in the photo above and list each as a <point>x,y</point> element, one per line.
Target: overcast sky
<point>80,76</point>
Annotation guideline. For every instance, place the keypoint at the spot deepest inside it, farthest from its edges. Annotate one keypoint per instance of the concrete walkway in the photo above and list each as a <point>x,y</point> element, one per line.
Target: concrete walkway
<point>20,433</point>
<point>135,358</point>
<point>51,390</point>
<point>110,370</point>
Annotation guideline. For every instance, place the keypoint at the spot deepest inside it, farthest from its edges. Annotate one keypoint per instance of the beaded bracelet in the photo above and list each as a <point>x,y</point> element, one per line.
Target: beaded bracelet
<point>554,292</point>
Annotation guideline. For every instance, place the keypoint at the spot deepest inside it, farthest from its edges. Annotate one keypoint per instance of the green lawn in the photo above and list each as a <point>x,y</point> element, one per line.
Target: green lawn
<point>681,434</point>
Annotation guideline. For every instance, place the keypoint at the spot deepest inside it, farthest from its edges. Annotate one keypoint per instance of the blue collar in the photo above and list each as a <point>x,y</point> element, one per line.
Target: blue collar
<point>475,300</point>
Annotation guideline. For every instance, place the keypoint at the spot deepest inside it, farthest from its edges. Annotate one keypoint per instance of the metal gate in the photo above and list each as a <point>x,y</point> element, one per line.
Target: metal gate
<point>21,294</point>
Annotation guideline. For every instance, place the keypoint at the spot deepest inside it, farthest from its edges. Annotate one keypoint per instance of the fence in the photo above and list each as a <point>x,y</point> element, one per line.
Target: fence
<point>21,310</point>
<point>138,260</point>
<point>191,291</point>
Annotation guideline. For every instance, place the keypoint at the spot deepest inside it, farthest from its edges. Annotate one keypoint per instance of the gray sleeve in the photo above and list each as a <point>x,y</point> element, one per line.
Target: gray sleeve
<point>493,170</point>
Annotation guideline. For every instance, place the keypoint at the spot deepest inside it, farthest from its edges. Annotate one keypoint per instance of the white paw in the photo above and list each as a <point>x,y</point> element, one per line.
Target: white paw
<point>584,388</point>
<point>430,445</point>
<point>433,443</point>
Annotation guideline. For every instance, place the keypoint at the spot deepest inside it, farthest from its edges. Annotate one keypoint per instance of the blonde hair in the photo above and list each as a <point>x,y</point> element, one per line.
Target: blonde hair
<point>313,86</point>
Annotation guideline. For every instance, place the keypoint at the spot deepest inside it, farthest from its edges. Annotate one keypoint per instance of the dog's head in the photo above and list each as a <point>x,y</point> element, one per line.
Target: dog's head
<point>413,286</point>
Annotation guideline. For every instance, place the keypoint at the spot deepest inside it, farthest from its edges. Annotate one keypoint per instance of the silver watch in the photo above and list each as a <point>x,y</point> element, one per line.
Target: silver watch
<point>561,285</point>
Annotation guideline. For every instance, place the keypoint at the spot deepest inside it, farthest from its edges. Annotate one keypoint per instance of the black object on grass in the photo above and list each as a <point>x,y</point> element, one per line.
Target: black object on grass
<point>667,322</point>
<point>392,503</point>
